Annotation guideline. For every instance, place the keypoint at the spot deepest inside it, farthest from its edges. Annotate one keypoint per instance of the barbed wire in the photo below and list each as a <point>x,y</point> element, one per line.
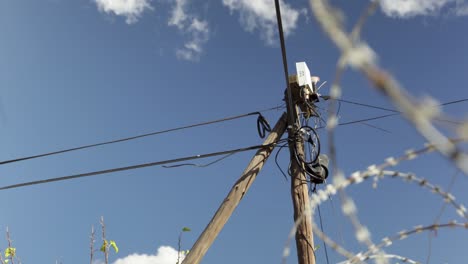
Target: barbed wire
<point>356,54</point>
<point>360,56</point>
<point>349,208</point>
<point>362,233</point>
<point>388,256</point>
<point>403,234</point>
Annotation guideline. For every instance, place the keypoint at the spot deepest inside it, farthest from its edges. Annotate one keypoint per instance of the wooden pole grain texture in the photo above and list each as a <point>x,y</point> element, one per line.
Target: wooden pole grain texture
<point>300,199</point>
<point>232,200</point>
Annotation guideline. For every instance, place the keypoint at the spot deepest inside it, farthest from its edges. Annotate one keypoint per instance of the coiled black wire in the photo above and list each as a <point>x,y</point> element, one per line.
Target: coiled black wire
<point>310,141</point>
<point>262,125</point>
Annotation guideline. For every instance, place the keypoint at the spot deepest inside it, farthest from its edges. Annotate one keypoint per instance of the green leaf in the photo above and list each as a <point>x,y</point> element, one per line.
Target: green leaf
<point>10,252</point>
<point>114,245</point>
<point>186,229</point>
<point>104,246</point>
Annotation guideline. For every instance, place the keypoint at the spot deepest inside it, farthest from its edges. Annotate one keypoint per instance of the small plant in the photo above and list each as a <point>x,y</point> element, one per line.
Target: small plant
<point>9,255</point>
<point>106,244</point>
<point>179,251</point>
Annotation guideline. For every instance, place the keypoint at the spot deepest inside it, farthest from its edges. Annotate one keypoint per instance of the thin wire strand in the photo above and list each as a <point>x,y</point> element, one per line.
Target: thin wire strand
<point>139,166</point>
<point>321,227</point>
<point>135,137</point>
<point>368,105</point>
<point>393,110</point>
<point>276,160</point>
<point>376,127</point>
<point>439,215</point>
<point>200,165</point>
<point>367,119</point>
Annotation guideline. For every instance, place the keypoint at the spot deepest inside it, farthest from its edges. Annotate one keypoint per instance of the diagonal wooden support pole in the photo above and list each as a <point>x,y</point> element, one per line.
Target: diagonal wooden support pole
<point>234,197</point>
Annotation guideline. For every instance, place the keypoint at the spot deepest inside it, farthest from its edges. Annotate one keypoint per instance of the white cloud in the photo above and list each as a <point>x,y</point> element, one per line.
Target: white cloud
<point>461,10</point>
<point>260,15</point>
<point>178,14</point>
<point>131,9</point>
<point>197,29</point>
<point>411,8</point>
<point>164,255</point>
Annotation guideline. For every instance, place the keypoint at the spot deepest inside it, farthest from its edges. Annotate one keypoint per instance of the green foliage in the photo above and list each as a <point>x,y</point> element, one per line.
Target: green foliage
<point>10,252</point>
<point>114,245</point>
<point>186,229</point>
<point>104,246</point>
<point>107,244</point>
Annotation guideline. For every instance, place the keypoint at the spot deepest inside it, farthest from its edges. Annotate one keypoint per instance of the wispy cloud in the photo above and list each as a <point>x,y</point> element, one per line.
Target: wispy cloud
<point>461,9</point>
<point>411,8</point>
<point>260,15</point>
<point>197,29</point>
<point>131,9</point>
<point>164,255</point>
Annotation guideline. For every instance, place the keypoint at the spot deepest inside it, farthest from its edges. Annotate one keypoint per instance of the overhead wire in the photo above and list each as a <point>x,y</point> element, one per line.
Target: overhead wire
<point>396,112</point>
<point>276,160</point>
<point>321,227</point>
<point>367,119</point>
<point>139,166</point>
<point>326,97</point>
<point>378,128</point>
<point>137,136</point>
<point>285,63</point>
<point>200,165</point>
<point>368,105</point>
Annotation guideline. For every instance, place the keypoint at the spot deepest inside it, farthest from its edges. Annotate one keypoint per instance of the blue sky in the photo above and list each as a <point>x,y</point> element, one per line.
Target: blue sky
<point>80,72</point>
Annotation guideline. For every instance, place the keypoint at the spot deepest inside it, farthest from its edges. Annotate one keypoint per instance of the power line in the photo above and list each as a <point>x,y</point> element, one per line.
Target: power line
<point>395,112</point>
<point>367,119</point>
<point>139,166</point>
<point>136,137</point>
<point>325,97</point>
<point>200,165</point>
<point>321,227</point>
<point>368,105</point>
<point>285,63</point>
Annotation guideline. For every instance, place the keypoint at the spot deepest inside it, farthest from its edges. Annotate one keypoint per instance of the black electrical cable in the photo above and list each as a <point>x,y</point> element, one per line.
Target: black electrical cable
<point>276,160</point>
<point>135,137</point>
<point>312,134</point>
<point>378,128</point>
<point>369,106</point>
<point>157,163</point>
<point>321,227</point>
<point>200,165</point>
<point>339,109</point>
<point>454,102</point>
<point>326,97</point>
<point>262,126</point>
<point>399,112</point>
<point>367,119</point>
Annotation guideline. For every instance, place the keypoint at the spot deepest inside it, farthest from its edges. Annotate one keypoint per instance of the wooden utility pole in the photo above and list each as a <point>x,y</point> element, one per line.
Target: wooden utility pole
<point>300,198</point>
<point>299,187</point>
<point>236,194</point>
